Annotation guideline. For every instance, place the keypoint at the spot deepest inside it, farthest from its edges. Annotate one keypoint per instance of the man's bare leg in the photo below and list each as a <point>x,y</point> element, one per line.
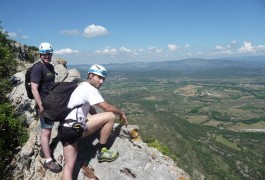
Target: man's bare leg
<point>103,120</point>
<point>45,140</point>
<point>70,154</point>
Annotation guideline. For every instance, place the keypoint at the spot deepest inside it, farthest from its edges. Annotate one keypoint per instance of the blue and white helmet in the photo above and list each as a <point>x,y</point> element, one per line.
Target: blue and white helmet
<point>98,70</point>
<point>45,48</point>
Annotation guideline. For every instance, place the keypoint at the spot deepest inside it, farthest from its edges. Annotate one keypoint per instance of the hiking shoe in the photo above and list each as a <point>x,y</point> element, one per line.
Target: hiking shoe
<point>53,166</point>
<point>107,156</point>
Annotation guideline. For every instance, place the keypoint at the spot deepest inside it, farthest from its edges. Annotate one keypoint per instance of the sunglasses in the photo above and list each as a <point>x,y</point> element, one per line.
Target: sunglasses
<point>48,54</point>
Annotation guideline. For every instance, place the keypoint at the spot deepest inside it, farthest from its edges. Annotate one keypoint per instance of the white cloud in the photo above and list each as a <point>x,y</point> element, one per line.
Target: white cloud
<point>12,34</point>
<point>107,51</point>
<point>222,50</point>
<point>70,32</point>
<point>127,52</point>
<point>226,52</point>
<point>262,47</point>
<point>94,30</point>
<point>234,42</point>
<point>140,50</point>
<point>186,45</point>
<point>24,37</point>
<point>124,49</point>
<point>219,47</point>
<point>66,51</point>
<point>122,53</point>
<point>247,48</point>
<point>155,49</point>
<point>172,47</point>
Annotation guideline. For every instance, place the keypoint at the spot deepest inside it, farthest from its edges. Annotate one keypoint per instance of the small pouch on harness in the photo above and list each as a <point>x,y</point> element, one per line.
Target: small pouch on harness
<point>70,134</point>
<point>77,125</point>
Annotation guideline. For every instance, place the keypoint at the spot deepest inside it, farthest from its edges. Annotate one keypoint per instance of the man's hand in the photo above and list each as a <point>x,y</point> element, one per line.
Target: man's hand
<point>110,108</point>
<point>41,111</point>
<point>122,116</point>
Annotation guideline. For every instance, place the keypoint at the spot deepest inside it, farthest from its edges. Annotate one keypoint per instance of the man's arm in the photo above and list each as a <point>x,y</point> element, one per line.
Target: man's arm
<point>110,108</point>
<point>36,94</point>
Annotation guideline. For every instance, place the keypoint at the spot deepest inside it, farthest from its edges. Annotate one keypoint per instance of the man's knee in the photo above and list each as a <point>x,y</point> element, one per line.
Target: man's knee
<point>112,116</point>
<point>109,117</point>
<point>46,132</point>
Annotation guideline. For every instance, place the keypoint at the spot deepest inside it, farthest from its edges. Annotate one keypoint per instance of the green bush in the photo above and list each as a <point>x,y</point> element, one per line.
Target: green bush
<point>152,142</point>
<point>7,59</point>
<point>13,132</point>
<point>5,88</point>
<point>31,53</point>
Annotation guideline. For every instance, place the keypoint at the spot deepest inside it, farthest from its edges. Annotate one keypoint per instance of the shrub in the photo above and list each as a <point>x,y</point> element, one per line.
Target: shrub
<point>13,133</point>
<point>152,142</point>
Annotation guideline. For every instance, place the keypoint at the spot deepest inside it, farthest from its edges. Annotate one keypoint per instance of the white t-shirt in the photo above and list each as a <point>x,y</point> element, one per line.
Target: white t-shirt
<point>87,95</point>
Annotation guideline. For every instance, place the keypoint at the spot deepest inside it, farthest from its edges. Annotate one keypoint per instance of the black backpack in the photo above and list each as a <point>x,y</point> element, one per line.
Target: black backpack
<point>55,103</point>
<point>28,81</point>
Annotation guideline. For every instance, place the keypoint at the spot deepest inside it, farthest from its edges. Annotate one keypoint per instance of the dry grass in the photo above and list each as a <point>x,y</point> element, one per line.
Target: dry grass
<point>189,90</point>
<point>150,98</point>
<point>197,119</point>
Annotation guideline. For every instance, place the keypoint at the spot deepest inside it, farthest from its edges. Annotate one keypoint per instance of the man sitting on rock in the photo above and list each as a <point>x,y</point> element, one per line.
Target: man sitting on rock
<point>78,124</point>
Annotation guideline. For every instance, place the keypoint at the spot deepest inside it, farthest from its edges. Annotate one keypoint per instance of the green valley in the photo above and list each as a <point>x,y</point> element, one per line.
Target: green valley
<point>213,125</point>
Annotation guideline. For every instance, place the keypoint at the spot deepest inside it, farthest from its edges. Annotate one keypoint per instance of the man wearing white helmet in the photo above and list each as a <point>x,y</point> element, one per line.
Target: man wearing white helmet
<point>42,79</point>
<point>88,120</point>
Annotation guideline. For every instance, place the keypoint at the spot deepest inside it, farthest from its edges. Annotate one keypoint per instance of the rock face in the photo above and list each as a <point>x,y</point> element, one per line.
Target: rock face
<point>136,159</point>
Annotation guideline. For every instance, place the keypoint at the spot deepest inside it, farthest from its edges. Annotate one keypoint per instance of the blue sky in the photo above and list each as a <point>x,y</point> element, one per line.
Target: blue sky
<point>120,31</point>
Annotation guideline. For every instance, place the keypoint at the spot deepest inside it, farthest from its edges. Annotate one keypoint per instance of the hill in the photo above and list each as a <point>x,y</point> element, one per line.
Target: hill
<point>185,66</point>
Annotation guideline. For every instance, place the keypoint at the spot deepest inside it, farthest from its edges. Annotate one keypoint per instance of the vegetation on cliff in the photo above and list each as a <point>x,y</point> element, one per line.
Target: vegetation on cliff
<point>12,130</point>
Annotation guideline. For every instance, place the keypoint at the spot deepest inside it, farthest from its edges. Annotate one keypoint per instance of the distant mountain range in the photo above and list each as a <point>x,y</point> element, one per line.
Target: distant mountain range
<point>185,66</point>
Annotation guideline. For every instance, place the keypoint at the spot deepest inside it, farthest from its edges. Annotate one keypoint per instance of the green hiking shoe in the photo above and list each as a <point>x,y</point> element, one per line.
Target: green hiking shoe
<point>107,156</point>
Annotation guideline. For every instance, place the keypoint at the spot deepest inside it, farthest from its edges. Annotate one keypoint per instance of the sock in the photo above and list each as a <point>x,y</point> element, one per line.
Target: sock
<point>48,160</point>
<point>100,146</point>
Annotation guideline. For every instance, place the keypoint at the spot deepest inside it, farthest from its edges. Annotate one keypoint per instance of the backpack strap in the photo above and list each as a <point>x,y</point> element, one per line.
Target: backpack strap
<point>67,120</point>
<point>43,75</point>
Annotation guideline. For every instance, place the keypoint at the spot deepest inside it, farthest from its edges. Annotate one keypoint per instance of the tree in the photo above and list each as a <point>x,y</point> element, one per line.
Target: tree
<point>12,130</point>
<point>7,60</point>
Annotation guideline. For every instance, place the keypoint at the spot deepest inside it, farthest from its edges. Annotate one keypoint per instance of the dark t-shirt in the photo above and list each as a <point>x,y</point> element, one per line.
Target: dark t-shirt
<point>49,75</point>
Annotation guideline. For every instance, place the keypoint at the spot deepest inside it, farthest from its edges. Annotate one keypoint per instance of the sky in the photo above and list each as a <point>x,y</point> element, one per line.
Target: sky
<point>121,31</point>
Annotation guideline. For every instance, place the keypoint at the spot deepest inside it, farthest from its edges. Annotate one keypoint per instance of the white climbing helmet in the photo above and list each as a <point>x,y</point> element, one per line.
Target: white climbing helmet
<point>45,48</point>
<point>98,70</point>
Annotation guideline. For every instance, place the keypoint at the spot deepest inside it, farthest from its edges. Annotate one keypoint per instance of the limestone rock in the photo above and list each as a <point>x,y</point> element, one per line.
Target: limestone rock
<point>136,160</point>
<point>62,71</point>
